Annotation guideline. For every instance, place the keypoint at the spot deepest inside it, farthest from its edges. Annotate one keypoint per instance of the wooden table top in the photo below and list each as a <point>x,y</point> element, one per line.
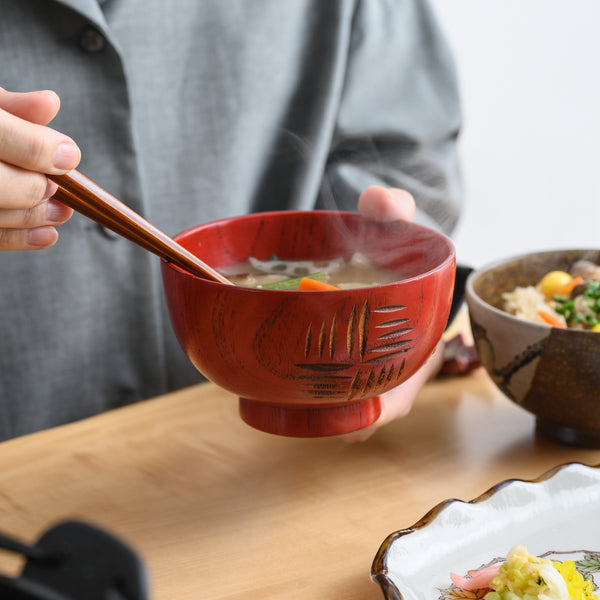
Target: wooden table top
<point>220,511</point>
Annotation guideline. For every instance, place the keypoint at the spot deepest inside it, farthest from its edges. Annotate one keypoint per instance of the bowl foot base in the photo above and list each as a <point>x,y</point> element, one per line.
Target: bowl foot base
<point>310,421</point>
<point>570,436</point>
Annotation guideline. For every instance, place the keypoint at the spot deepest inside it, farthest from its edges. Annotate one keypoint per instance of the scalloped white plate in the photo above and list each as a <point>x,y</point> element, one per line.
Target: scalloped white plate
<point>557,515</point>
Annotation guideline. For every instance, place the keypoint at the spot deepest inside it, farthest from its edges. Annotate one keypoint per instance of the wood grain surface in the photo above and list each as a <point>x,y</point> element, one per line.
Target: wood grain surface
<point>220,511</point>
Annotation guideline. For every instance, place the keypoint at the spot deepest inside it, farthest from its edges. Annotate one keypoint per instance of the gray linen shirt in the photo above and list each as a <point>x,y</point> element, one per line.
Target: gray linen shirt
<point>190,111</point>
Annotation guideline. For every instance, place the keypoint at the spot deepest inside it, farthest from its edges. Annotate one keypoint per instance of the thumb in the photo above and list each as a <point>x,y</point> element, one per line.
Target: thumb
<point>379,203</point>
<point>38,107</point>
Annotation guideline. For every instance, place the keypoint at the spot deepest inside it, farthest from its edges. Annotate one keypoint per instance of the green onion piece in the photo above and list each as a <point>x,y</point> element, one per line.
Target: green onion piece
<point>290,284</point>
<point>592,289</point>
<point>565,308</point>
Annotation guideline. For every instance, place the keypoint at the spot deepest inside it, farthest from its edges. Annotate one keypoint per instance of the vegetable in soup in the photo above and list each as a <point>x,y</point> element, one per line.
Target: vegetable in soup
<point>337,273</point>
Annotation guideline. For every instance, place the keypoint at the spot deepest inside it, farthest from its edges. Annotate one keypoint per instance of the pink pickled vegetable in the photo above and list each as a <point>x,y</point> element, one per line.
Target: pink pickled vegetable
<point>477,579</point>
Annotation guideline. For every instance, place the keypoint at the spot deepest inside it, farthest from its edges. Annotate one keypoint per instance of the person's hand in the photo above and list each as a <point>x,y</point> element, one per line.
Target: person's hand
<point>28,149</point>
<point>388,204</point>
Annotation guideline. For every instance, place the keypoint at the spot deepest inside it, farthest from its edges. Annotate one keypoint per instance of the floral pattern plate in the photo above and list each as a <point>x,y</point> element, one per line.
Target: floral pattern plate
<point>556,516</point>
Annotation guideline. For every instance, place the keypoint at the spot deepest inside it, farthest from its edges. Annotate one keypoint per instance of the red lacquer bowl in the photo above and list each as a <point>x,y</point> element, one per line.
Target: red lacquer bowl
<point>310,364</point>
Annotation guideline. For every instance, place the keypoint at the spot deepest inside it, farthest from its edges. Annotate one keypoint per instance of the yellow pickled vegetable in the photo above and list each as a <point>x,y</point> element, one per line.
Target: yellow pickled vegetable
<point>596,327</point>
<point>578,587</point>
<point>527,577</point>
<point>552,282</point>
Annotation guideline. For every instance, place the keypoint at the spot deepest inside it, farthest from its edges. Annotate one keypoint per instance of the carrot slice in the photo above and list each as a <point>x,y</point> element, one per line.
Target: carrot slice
<point>568,287</point>
<point>306,283</point>
<point>550,319</point>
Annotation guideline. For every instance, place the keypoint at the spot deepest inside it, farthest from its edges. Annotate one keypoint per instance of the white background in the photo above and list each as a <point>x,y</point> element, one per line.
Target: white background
<point>530,78</point>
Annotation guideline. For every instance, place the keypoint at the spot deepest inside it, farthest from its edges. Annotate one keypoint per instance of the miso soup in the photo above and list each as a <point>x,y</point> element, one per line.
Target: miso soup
<point>277,273</point>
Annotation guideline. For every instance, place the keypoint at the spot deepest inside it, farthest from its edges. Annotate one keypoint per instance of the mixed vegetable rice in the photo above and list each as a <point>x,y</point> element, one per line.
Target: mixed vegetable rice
<point>560,299</point>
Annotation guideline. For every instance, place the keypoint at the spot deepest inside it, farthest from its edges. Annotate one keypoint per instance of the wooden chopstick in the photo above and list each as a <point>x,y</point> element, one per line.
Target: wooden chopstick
<point>84,196</point>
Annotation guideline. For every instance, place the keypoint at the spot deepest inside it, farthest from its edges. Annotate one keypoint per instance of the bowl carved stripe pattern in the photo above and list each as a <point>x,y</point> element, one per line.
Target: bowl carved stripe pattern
<point>383,351</point>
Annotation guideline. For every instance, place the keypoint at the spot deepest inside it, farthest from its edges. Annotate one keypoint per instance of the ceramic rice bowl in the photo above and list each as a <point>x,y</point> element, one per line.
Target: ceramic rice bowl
<point>551,372</point>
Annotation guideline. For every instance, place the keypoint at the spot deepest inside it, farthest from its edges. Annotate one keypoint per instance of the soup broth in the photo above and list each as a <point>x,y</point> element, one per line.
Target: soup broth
<point>286,274</point>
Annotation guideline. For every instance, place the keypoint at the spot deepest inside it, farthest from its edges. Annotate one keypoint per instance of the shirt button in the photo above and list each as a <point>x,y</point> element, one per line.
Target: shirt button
<point>92,41</point>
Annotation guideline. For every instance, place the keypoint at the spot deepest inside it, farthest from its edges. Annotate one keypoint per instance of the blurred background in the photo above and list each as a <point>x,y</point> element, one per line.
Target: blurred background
<point>530,80</point>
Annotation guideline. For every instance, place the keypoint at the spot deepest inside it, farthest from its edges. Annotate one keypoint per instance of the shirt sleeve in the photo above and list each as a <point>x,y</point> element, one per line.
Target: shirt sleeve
<point>399,117</point>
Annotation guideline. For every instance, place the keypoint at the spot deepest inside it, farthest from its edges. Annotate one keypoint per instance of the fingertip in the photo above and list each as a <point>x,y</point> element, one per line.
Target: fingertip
<point>40,106</point>
<point>49,95</point>
<point>371,198</point>
<point>52,100</point>
<point>42,237</point>
<point>386,204</point>
<point>67,156</point>
<point>58,213</point>
<point>404,200</point>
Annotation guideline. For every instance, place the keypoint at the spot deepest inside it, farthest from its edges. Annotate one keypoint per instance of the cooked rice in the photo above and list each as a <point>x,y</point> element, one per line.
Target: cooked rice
<point>526,302</point>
